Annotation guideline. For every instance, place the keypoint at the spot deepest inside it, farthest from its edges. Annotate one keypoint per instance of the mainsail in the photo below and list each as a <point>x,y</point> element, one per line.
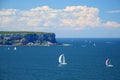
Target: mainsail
<point>108,64</point>
<point>62,59</point>
<point>94,44</point>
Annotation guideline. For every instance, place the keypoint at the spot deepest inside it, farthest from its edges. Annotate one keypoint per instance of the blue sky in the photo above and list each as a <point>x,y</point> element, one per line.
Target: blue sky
<point>66,18</point>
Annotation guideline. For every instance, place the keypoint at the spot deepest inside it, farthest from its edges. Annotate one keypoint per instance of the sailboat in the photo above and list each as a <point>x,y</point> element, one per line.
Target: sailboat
<point>15,48</point>
<point>107,63</point>
<point>94,44</point>
<point>61,59</point>
<point>8,48</point>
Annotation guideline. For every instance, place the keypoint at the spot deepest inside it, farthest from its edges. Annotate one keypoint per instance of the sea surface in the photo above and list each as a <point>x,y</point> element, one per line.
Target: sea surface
<point>85,59</point>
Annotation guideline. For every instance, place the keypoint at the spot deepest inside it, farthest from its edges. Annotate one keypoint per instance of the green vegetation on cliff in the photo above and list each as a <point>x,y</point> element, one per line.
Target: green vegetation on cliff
<point>23,32</point>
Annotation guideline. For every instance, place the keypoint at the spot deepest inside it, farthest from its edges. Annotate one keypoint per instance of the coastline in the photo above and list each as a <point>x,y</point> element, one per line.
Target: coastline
<point>23,38</point>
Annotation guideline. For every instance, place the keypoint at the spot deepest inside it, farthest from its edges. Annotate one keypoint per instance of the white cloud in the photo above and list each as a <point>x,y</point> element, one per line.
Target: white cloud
<point>112,24</point>
<point>43,8</point>
<point>42,18</point>
<point>8,12</point>
<point>114,11</point>
<point>6,21</point>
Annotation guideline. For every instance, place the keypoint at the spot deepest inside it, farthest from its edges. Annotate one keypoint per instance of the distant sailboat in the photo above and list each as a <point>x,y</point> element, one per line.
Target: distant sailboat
<point>8,48</point>
<point>15,48</point>
<point>108,64</point>
<point>61,59</point>
<point>94,44</point>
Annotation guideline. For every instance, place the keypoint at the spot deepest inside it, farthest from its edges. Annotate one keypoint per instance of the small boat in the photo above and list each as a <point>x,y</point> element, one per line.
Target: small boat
<point>66,45</point>
<point>94,44</point>
<point>108,63</point>
<point>61,59</point>
<point>8,48</point>
<point>15,48</point>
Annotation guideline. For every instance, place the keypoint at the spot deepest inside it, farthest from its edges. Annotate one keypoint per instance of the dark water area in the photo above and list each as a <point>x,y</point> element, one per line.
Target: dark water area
<point>85,60</point>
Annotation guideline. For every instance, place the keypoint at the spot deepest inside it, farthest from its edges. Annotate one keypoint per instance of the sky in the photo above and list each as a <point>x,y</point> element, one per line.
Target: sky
<point>65,18</point>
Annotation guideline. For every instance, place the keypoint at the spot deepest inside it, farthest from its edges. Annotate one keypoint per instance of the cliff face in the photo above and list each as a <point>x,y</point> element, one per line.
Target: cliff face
<point>27,39</point>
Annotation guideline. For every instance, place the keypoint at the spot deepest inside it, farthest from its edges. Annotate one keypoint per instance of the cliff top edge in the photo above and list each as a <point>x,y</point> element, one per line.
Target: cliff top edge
<point>24,32</point>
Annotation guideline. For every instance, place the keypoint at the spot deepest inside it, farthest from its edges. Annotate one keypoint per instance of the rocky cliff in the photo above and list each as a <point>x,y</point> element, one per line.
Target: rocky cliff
<point>27,38</point>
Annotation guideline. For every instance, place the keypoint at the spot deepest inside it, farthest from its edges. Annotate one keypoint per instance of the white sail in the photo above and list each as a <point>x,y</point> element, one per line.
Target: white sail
<point>15,48</point>
<point>94,44</point>
<point>62,59</point>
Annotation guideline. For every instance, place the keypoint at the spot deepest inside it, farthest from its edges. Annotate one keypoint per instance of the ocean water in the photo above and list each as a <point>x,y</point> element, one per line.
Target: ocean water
<point>85,61</point>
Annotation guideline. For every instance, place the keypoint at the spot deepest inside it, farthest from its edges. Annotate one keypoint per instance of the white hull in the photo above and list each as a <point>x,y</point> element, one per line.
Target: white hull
<point>109,65</point>
<point>63,63</point>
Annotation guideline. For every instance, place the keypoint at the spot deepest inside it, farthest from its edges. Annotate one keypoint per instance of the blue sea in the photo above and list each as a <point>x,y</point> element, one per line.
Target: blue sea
<point>85,59</point>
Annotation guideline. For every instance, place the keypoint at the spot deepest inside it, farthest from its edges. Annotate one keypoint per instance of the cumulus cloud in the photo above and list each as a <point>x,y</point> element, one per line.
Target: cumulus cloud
<point>8,12</point>
<point>42,18</point>
<point>81,16</point>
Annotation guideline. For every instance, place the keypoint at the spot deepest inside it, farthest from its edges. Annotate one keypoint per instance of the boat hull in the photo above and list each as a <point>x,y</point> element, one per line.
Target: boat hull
<point>109,65</point>
<point>63,63</point>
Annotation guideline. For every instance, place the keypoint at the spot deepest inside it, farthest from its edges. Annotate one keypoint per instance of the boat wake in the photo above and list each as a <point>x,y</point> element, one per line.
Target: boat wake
<point>66,45</point>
